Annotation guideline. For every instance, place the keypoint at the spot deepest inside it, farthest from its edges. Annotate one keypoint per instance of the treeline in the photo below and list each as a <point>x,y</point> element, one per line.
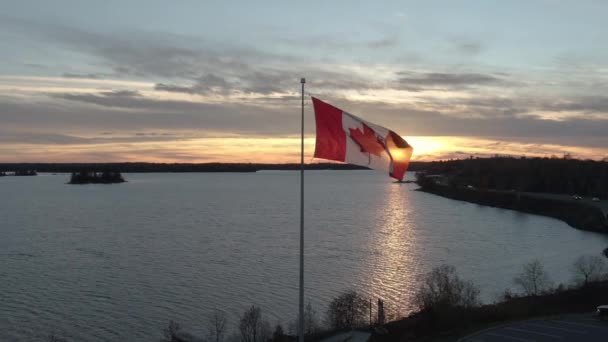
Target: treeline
<point>449,306</point>
<point>446,306</point>
<point>551,175</point>
<point>180,167</point>
<point>91,177</point>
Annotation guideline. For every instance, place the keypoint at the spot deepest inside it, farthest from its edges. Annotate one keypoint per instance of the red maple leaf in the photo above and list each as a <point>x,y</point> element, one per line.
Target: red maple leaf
<point>367,140</point>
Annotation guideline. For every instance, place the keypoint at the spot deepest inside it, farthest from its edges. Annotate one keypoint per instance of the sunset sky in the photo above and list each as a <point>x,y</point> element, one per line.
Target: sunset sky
<point>201,81</point>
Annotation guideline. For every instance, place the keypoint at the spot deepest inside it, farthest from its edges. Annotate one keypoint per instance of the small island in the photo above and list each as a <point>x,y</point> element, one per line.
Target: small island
<point>92,177</point>
<point>19,173</point>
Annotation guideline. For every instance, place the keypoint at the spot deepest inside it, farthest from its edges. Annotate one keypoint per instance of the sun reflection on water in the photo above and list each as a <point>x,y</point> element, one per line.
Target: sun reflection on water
<point>394,264</point>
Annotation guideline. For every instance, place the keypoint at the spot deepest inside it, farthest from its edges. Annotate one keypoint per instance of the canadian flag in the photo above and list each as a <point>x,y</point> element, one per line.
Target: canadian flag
<point>344,137</point>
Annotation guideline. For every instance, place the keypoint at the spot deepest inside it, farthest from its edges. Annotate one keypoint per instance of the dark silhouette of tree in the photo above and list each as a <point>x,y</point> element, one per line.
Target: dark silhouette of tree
<point>588,268</point>
<point>533,279</point>
<point>311,322</point>
<point>55,338</point>
<point>347,311</point>
<point>551,175</point>
<point>278,335</point>
<point>217,325</point>
<point>442,289</point>
<point>170,333</point>
<point>252,326</point>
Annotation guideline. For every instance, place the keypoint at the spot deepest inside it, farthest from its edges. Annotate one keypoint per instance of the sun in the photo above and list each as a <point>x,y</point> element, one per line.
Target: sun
<point>426,145</point>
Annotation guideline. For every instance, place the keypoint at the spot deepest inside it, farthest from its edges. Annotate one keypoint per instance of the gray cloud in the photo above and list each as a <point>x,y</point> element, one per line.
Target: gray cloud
<point>179,89</point>
<point>121,99</point>
<point>142,53</point>
<point>128,111</point>
<point>10,136</point>
<point>409,121</point>
<point>491,107</point>
<point>465,45</point>
<point>470,47</point>
<point>81,76</point>
<point>114,112</point>
<point>421,81</point>
<point>596,104</point>
<point>203,85</point>
<point>269,81</point>
<point>44,138</point>
<point>343,41</point>
<point>35,65</point>
<point>194,65</point>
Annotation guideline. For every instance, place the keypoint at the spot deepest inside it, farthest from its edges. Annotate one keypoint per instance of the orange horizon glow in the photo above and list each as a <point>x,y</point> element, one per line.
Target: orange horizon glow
<point>273,150</point>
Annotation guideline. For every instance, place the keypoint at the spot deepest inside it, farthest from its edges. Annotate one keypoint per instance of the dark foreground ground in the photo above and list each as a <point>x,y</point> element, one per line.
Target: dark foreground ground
<point>451,324</point>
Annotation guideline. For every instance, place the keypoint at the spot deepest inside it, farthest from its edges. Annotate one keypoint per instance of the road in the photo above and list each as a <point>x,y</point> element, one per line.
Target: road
<point>570,328</point>
<point>567,198</point>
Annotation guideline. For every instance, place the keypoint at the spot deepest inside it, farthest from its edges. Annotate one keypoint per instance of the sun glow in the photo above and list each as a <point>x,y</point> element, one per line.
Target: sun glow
<point>255,149</point>
<point>426,145</point>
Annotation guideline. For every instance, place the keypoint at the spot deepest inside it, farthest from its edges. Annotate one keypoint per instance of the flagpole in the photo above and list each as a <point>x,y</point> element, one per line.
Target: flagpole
<point>301,315</point>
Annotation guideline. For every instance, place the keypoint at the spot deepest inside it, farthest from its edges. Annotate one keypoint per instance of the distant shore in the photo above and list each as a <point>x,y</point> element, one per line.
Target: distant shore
<point>180,167</point>
<point>579,215</point>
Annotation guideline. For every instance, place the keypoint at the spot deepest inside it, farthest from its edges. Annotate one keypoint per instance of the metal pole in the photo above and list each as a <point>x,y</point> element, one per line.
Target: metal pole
<point>370,313</point>
<point>301,316</point>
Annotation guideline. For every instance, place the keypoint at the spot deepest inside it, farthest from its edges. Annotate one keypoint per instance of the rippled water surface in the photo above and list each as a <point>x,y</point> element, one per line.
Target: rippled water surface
<point>116,262</point>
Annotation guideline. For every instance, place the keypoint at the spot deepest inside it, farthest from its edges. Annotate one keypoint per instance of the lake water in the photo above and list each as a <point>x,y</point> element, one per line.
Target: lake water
<point>116,262</point>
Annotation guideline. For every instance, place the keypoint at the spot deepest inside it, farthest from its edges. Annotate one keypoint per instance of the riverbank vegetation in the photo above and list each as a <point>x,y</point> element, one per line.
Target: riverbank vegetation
<point>546,175</point>
<point>542,186</point>
<point>446,307</point>
<point>455,312</point>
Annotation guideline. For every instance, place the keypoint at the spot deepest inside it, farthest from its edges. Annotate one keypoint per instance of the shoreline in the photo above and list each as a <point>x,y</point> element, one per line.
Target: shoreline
<point>578,215</point>
<point>142,167</point>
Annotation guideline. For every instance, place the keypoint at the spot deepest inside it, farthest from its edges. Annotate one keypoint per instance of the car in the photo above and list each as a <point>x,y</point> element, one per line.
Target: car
<point>595,199</point>
<point>576,197</point>
<point>602,311</point>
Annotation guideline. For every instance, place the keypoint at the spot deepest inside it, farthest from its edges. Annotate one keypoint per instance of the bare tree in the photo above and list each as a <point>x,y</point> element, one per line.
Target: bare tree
<point>442,288</point>
<point>171,332</point>
<point>252,326</point>
<point>55,338</point>
<point>311,322</point>
<point>217,325</point>
<point>347,311</point>
<point>588,268</point>
<point>278,335</point>
<point>533,279</point>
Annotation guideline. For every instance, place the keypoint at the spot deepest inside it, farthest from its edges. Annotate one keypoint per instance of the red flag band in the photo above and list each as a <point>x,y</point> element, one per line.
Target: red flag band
<point>344,137</point>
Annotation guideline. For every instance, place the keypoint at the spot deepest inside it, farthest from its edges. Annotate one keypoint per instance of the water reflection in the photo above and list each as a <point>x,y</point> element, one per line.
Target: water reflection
<point>166,246</point>
<point>394,266</point>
